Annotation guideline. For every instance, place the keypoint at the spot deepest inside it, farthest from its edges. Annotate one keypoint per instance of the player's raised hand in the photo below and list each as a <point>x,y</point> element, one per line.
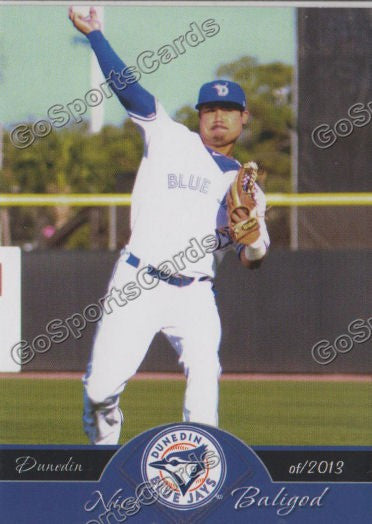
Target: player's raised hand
<point>84,24</point>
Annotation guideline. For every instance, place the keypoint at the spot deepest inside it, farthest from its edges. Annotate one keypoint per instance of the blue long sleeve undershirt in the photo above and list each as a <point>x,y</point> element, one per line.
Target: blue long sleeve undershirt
<point>133,96</point>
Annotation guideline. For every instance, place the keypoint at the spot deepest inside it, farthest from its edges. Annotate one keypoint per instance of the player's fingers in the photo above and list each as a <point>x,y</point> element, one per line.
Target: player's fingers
<point>80,22</point>
<point>74,17</point>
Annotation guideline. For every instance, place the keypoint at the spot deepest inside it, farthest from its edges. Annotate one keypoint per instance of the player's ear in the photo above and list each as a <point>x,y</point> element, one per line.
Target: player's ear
<point>245,117</point>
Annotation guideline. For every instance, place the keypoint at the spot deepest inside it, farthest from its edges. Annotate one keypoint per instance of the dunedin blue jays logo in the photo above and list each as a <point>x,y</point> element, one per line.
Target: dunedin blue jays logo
<point>186,467</point>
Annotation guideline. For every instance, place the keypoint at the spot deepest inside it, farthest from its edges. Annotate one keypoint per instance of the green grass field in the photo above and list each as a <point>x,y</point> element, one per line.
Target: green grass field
<point>48,411</point>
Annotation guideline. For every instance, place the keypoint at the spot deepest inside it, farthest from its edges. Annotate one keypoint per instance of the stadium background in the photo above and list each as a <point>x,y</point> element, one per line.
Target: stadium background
<point>315,281</point>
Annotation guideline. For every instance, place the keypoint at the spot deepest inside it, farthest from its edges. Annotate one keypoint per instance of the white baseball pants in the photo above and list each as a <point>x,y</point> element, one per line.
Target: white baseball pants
<point>186,315</point>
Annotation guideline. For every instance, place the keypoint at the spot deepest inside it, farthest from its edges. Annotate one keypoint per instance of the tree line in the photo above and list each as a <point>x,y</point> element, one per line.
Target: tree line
<point>71,160</point>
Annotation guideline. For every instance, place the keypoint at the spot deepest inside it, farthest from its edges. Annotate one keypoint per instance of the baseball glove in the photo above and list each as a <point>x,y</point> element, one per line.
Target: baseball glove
<point>242,206</point>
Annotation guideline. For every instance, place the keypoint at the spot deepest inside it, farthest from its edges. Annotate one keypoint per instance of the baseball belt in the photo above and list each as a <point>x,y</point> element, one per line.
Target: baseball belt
<point>179,280</point>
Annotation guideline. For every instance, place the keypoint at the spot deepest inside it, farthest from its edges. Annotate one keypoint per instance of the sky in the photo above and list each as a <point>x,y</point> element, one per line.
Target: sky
<point>42,65</point>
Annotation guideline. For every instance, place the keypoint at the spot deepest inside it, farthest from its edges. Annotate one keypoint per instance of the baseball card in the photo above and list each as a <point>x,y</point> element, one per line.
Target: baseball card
<point>185,261</point>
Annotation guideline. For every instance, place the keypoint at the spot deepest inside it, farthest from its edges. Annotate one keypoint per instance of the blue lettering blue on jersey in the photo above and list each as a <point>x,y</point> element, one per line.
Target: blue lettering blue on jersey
<point>196,183</point>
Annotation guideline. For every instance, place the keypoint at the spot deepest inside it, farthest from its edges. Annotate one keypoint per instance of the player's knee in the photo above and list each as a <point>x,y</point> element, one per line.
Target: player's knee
<point>205,365</point>
<point>96,395</point>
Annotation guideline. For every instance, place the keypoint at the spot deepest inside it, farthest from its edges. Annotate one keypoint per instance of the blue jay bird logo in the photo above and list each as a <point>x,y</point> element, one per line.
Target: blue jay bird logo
<point>184,467</point>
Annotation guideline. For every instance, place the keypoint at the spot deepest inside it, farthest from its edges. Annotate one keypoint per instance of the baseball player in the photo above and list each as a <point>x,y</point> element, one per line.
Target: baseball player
<point>163,279</point>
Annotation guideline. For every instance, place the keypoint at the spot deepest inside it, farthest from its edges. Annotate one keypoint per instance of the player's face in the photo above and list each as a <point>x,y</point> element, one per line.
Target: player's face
<point>221,125</point>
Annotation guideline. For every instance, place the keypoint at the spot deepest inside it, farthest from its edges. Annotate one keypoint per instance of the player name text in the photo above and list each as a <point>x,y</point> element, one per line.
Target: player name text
<point>28,463</point>
<point>249,496</point>
<point>118,505</point>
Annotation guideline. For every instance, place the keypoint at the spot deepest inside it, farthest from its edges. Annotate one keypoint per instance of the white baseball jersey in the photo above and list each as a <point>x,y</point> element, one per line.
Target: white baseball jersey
<point>179,194</point>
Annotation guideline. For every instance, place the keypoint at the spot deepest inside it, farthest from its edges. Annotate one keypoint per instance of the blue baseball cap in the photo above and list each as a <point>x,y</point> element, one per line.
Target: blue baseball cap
<point>221,91</point>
